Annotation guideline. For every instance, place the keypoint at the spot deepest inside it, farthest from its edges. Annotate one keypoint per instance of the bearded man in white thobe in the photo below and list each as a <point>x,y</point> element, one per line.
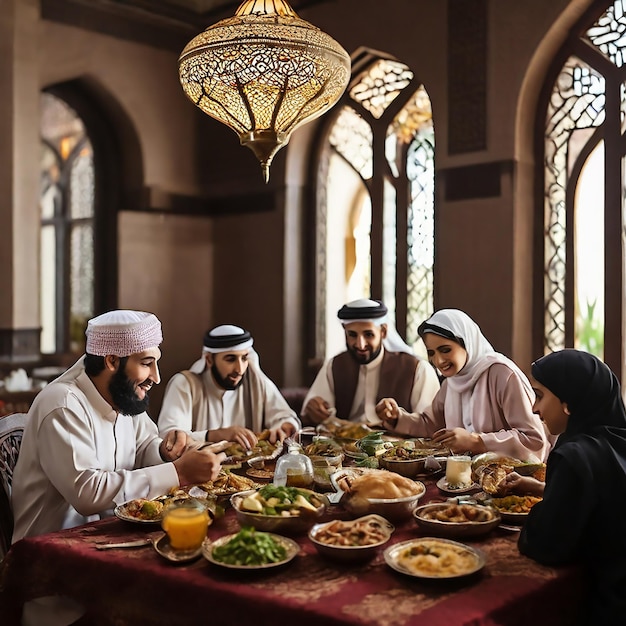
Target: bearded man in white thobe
<point>89,444</point>
<point>225,395</point>
<point>376,365</point>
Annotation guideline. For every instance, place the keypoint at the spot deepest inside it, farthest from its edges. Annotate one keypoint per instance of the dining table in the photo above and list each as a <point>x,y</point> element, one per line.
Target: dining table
<point>137,585</point>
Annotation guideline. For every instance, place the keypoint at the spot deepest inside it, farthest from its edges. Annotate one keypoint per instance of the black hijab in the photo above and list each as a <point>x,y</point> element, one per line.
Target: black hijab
<point>588,386</point>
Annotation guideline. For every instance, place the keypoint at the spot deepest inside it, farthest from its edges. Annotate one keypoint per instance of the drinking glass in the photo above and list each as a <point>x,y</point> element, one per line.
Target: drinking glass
<point>459,471</point>
<point>186,524</point>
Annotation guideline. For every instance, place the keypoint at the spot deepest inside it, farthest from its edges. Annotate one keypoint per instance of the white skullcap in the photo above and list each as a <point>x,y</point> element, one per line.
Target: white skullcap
<point>227,338</point>
<point>363,310</point>
<point>122,333</point>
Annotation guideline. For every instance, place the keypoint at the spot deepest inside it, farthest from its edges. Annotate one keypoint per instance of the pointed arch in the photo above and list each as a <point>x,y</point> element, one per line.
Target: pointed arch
<point>113,179</point>
<point>373,158</point>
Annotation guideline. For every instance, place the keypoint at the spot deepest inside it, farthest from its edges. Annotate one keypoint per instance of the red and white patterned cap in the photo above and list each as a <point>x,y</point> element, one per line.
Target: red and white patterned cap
<point>122,333</point>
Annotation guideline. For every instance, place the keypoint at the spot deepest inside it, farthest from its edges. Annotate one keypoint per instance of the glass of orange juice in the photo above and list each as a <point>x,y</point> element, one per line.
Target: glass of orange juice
<point>186,524</point>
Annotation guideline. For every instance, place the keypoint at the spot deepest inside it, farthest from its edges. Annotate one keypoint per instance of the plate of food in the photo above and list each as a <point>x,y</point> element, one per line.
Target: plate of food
<point>434,558</point>
<point>444,486</point>
<point>411,459</point>
<point>150,511</point>
<point>514,509</point>
<point>225,485</point>
<point>343,429</point>
<point>351,540</point>
<point>262,451</point>
<point>250,549</point>
<point>260,474</point>
<point>450,519</point>
<point>490,470</point>
<point>140,511</point>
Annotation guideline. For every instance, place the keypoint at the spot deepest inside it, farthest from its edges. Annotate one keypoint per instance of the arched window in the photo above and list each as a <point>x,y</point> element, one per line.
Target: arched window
<point>375,200</point>
<point>67,227</point>
<point>584,198</point>
<point>87,174</point>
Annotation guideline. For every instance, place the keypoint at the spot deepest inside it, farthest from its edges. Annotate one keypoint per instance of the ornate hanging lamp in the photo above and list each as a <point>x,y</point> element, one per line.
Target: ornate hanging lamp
<point>263,73</point>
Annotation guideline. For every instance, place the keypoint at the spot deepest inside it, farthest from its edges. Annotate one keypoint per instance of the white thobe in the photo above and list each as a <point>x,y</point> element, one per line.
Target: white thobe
<point>79,459</point>
<point>223,408</point>
<point>425,387</point>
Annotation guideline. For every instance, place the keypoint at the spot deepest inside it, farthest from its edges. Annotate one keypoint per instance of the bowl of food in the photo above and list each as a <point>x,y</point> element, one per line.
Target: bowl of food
<point>409,460</point>
<point>278,509</point>
<point>513,508</point>
<point>378,491</point>
<point>351,540</point>
<point>447,519</point>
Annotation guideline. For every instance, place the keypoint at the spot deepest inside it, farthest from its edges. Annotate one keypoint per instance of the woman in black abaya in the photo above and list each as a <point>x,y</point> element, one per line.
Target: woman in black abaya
<point>582,516</point>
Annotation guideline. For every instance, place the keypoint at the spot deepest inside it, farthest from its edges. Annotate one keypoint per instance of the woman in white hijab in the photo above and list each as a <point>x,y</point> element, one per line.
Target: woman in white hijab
<point>485,401</point>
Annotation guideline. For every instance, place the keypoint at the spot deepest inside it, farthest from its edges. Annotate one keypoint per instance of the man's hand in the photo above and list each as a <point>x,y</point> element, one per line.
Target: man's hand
<point>198,465</point>
<point>243,436</point>
<point>460,440</point>
<point>173,445</point>
<point>280,433</point>
<point>388,412</point>
<point>318,410</point>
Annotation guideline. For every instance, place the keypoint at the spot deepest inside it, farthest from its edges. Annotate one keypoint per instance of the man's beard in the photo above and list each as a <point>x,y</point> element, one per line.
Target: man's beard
<point>123,394</point>
<point>364,360</point>
<point>224,383</point>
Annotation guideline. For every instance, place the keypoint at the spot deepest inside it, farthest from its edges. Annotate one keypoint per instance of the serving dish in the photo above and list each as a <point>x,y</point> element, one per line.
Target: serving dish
<point>291,524</point>
<point>434,558</point>
<point>122,512</point>
<point>291,550</point>
<point>443,485</point>
<point>448,519</point>
<point>347,532</point>
<point>423,466</point>
<point>163,547</point>
<point>506,507</point>
<point>393,509</point>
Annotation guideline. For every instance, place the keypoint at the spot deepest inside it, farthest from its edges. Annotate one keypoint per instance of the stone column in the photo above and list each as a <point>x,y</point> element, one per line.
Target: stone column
<point>19,180</point>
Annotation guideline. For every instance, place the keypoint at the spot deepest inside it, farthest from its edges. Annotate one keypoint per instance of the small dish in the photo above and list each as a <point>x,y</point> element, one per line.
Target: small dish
<point>163,547</point>
<point>505,504</point>
<point>260,474</point>
<point>291,548</point>
<point>351,553</point>
<point>122,512</point>
<point>440,519</point>
<point>451,558</point>
<point>443,485</point>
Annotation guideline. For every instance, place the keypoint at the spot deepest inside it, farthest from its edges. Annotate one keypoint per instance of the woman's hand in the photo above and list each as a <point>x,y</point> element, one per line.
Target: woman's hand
<point>524,485</point>
<point>460,440</point>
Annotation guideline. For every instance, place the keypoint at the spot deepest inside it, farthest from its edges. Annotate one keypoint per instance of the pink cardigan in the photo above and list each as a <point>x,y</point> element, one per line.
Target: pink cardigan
<point>503,416</point>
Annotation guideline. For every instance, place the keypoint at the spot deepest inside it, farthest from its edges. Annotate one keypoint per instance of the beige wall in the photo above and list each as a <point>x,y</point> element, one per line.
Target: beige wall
<point>247,267</point>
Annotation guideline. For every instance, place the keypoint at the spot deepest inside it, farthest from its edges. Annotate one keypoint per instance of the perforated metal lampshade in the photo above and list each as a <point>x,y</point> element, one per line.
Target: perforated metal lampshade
<point>264,72</point>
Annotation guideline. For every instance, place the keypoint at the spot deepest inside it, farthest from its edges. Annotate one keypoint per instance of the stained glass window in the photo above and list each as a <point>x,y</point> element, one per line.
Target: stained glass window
<point>375,208</point>
<point>67,238</point>
<point>584,261</point>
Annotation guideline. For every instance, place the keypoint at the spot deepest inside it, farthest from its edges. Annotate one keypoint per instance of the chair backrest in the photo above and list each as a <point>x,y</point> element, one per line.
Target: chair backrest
<point>11,430</point>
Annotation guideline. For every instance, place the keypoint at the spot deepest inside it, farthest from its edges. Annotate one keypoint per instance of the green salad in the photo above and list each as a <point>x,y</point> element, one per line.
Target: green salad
<point>250,547</point>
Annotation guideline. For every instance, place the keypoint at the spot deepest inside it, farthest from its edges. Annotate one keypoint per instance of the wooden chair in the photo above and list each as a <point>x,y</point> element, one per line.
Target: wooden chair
<point>11,430</point>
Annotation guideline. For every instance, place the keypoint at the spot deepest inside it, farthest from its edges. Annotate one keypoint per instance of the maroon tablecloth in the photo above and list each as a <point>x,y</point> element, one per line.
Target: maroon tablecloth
<point>138,586</point>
